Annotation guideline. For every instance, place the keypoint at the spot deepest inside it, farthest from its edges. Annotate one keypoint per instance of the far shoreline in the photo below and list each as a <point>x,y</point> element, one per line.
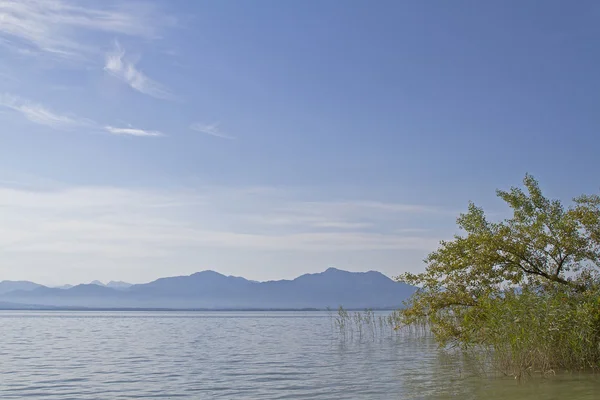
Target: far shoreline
<point>135,309</point>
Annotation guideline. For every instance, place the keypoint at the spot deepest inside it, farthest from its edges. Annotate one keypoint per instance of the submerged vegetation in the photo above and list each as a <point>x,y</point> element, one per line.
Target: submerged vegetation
<point>524,291</point>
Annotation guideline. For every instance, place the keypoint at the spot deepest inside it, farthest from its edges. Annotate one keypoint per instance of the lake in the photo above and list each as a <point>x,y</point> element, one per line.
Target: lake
<point>238,355</point>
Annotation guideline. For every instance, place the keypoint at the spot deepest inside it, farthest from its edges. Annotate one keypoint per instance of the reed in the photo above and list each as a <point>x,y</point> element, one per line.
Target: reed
<point>519,334</point>
<point>362,325</point>
<point>536,333</point>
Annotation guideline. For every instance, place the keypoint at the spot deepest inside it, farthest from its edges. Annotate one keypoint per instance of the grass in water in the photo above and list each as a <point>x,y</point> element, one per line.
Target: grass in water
<point>366,325</point>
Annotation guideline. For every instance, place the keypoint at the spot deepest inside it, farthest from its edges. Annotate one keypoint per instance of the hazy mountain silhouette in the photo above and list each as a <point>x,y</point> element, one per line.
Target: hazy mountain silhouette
<point>11,286</point>
<point>112,284</point>
<point>209,289</point>
<point>118,285</point>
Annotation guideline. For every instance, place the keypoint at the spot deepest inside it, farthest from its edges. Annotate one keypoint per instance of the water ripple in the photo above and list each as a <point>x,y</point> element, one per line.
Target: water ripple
<point>96,355</point>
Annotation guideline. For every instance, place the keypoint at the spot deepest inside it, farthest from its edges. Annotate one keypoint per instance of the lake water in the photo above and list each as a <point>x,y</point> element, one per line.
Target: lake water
<point>237,355</point>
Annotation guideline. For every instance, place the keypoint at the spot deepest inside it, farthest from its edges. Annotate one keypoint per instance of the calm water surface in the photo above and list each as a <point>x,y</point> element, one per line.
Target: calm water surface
<point>270,355</point>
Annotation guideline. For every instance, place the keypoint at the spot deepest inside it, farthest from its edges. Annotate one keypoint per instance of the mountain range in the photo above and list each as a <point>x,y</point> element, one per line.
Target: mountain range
<point>111,284</point>
<point>212,290</point>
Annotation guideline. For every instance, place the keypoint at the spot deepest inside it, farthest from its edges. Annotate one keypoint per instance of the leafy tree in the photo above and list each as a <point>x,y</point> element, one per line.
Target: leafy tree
<point>542,247</point>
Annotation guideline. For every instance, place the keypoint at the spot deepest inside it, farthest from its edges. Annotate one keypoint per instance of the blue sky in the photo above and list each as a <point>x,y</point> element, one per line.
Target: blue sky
<point>268,139</point>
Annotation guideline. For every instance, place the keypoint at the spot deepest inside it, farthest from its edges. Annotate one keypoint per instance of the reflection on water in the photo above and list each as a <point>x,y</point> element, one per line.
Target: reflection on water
<point>268,355</point>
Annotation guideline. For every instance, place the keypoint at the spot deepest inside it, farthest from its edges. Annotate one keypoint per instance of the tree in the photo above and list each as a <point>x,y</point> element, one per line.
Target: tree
<point>542,246</point>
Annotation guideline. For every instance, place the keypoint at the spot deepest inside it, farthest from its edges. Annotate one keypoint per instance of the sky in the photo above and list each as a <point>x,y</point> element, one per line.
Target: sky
<point>268,139</point>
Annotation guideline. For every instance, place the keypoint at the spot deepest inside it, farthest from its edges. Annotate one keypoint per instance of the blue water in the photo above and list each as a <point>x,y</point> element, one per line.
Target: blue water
<point>237,355</point>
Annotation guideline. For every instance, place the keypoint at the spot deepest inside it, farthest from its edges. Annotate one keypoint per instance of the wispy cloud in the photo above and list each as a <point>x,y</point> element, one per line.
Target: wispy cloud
<point>132,131</point>
<point>42,115</point>
<point>371,207</point>
<point>120,67</point>
<point>352,215</point>
<point>69,219</point>
<point>39,114</point>
<point>56,26</point>
<point>211,129</point>
<point>147,233</point>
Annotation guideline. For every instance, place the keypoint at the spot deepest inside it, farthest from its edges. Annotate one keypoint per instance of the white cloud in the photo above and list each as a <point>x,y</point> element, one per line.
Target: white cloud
<point>61,27</point>
<point>210,129</point>
<point>125,70</point>
<point>370,207</point>
<point>135,223</point>
<point>39,114</point>
<point>57,234</point>
<point>132,132</point>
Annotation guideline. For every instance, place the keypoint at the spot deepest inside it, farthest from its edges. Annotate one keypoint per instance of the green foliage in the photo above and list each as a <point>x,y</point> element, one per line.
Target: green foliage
<point>550,253</point>
<point>535,332</point>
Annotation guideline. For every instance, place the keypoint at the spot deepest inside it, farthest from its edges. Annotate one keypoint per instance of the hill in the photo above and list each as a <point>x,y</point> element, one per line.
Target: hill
<point>11,286</point>
<point>212,290</point>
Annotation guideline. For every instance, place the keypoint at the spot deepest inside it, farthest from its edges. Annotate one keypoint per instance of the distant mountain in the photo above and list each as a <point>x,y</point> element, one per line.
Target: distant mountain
<point>335,287</point>
<point>113,284</point>
<point>64,287</point>
<point>211,290</point>
<point>11,286</point>
<point>118,285</point>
